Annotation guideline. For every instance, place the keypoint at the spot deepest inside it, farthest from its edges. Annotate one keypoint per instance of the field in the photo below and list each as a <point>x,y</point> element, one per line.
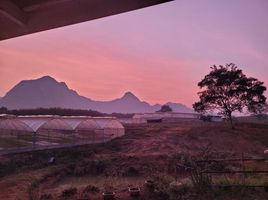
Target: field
<point>11,141</point>
<point>172,155</point>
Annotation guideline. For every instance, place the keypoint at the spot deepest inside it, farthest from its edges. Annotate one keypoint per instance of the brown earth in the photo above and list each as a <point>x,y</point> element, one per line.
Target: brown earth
<point>146,148</point>
<point>192,136</point>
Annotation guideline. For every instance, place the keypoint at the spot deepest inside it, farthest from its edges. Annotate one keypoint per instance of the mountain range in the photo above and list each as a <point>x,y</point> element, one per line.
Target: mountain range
<point>46,92</point>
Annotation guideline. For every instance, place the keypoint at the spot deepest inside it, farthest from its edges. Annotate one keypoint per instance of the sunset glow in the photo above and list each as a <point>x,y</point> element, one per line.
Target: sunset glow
<point>158,53</point>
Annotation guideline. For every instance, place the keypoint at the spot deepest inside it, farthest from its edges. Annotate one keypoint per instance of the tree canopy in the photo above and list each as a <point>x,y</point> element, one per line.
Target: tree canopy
<point>165,108</point>
<point>62,112</point>
<point>228,89</point>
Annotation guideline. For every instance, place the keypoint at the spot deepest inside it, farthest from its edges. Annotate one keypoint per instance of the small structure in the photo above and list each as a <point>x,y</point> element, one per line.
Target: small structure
<point>154,120</point>
<point>163,116</point>
<point>216,118</point>
<point>211,118</point>
<point>132,120</point>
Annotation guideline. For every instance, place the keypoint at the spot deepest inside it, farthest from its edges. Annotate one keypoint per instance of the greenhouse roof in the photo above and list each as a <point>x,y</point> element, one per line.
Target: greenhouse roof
<point>35,123</point>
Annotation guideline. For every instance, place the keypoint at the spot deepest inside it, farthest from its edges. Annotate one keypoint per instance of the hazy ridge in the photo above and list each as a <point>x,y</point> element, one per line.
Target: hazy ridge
<point>46,92</point>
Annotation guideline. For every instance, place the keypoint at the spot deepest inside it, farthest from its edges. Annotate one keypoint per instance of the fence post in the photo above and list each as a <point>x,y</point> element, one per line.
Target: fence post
<point>34,140</point>
<point>243,167</point>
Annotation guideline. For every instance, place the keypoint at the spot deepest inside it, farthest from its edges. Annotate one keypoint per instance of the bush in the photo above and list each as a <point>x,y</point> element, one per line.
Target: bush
<point>177,189</point>
<point>46,197</point>
<point>89,167</point>
<point>161,187</point>
<point>131,171</point>
<point>201,181</point>
<point>91,189</point>
<point>69,192</point>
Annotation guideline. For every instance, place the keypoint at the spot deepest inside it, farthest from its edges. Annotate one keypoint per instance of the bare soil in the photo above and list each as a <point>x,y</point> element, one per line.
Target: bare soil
<point>144,150</point>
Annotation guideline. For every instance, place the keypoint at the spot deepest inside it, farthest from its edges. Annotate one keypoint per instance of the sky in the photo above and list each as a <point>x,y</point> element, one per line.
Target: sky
<point>159,53</point>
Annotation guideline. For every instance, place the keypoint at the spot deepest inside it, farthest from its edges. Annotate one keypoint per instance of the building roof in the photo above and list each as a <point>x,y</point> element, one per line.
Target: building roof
<point>21,17</point>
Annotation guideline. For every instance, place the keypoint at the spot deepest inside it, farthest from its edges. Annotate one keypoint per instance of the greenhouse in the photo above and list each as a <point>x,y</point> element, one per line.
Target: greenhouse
<point>57,130</point>
<point>111,128</point>
<point>90,129</point>
<point>12,125</point>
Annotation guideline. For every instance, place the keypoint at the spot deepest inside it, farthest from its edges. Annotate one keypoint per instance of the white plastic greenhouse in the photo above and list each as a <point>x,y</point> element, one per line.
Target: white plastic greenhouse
<point>14,124</point>
<point>53,130</point>
<point>111,128</point>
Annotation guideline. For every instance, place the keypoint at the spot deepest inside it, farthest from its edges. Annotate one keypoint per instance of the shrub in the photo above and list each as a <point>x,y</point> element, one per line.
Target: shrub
<point>69,192</point>
<point>177,190</point>
<point>200,180</point>
<point>161,186</point>
<point>89,167</point>
<point>131,171</point>
<point>46,197</point>
<point>91,189</point>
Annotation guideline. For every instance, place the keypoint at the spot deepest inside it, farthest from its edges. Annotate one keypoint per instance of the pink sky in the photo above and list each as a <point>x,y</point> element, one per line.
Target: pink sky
<point>158,53</point>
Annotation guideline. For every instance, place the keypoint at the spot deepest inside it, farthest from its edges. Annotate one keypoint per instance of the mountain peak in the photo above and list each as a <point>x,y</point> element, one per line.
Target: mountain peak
<point>129,95</point>
<point>46,78</point>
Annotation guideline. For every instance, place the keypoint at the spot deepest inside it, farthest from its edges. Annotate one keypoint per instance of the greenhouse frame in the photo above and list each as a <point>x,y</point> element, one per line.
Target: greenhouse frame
<point>36,131</point>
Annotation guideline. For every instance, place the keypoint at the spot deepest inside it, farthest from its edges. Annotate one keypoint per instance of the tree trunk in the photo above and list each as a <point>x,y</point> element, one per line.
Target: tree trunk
<point>231,119</point>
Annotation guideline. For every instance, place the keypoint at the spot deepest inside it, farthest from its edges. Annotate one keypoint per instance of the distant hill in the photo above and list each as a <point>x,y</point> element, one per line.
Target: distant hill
<point>46,92</point>
<point>43,92</point>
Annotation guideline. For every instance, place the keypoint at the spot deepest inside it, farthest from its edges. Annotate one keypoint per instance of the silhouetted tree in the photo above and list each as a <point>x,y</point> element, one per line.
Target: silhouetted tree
<point>56,111</point>
<point>265,110</point>
<point>63,112</point>
<point>165,108</point>
<point>3,110</point>
<point>227,90</point>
